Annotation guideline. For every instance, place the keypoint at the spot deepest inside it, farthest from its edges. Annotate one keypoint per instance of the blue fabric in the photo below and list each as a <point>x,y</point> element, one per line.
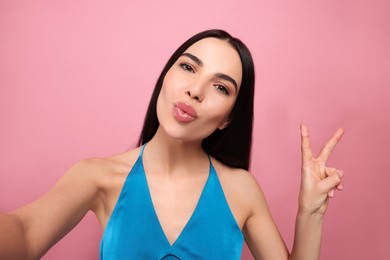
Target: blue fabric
<point>134,231</point>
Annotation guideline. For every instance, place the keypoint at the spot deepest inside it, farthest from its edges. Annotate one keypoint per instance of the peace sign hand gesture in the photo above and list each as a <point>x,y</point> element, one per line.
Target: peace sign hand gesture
<point>318,182</point>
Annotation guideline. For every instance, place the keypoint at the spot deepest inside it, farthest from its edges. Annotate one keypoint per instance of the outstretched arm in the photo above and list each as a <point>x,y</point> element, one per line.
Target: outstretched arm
<point>318,183</point>
<point>27,233</point>
<point>317,186</point>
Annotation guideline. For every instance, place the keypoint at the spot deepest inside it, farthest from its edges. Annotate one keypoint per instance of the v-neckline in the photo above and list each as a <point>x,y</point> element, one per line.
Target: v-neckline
<point>181,234</point>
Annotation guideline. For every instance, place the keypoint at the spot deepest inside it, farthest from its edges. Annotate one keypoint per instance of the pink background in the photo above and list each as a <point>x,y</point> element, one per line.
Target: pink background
<point>76,77</point>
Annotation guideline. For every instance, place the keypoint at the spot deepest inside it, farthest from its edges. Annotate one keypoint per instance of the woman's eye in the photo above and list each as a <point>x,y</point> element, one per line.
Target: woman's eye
<point>186,67</point>
<point>222,89</point>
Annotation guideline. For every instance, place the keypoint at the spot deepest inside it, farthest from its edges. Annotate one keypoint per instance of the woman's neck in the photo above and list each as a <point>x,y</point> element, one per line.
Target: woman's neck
<point>167,155</point>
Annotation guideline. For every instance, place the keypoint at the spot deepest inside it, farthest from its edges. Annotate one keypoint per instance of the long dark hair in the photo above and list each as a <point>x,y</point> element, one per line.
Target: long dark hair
<point>232,145</point>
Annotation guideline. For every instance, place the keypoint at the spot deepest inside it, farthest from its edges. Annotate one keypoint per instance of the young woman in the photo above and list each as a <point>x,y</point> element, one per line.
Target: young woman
<point>185,192</point>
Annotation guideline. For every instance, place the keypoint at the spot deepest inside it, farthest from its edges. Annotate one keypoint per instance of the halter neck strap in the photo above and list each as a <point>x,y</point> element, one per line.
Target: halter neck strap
<point>142,150</point>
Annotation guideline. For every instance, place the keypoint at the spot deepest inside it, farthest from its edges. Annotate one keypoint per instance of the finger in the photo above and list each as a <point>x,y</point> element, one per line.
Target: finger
<point>329,171</point>
<point>332,191</point>
<point>330,145</point>
<point>326,172</point>
<point>332,181</point>
<point>305,143</point>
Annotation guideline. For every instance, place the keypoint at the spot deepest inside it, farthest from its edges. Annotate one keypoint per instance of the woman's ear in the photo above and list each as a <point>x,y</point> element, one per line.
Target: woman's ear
<point>224,125</point>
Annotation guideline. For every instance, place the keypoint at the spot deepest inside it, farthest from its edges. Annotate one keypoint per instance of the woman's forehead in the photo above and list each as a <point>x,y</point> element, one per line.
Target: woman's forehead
<point>219,56</point>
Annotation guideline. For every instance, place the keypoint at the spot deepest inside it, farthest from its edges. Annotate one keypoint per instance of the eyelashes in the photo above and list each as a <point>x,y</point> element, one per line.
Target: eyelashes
<point>186,67</point>
<point>219,87</point>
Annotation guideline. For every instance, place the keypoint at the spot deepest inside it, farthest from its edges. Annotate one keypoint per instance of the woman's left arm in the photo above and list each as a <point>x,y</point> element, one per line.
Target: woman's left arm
<point>318,183</point>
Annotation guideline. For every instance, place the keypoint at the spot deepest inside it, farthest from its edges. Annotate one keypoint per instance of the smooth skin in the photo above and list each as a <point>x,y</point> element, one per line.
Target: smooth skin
<point>176,168</point>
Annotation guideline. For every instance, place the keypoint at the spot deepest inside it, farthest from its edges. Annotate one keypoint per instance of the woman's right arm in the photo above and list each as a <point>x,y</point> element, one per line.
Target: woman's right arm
<point>29,232</point>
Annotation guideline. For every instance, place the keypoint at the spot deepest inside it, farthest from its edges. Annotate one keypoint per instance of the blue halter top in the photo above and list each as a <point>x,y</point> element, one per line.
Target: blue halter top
<point>134,231</point>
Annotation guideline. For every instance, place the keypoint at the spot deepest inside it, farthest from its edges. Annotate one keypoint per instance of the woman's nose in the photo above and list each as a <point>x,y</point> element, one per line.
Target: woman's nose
<point>196,91</point>
<point>194,95</point>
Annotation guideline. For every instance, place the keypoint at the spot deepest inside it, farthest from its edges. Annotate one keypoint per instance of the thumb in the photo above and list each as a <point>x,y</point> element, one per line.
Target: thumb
<point>334,179</point>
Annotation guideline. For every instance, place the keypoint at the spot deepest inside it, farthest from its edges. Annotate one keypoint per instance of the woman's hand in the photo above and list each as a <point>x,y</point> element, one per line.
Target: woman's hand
<point>318,182</point>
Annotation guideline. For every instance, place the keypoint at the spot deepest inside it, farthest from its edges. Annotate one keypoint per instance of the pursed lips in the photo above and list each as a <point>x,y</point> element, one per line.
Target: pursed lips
<point>184,112</point>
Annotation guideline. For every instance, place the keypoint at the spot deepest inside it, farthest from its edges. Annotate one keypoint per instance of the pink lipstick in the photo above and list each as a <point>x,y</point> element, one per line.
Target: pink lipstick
<point>184,112</point>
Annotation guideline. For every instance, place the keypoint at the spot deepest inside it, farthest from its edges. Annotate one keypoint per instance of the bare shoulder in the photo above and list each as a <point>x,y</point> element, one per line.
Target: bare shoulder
<point>101,170</point>
<point>85,186</point>
<point>241,189</point>
<point>250,210</point>
<point>99,179</point>
<point>241,179</point>
<point>109,175</point>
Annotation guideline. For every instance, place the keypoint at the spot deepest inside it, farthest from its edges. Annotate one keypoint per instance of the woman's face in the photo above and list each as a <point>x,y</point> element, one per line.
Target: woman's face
<point>199,90</point>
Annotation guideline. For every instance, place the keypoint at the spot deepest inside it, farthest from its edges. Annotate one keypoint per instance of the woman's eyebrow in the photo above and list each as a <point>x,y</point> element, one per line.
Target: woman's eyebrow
<point>228,78</point>
<point>193,58</point>
<point>218,75</point>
